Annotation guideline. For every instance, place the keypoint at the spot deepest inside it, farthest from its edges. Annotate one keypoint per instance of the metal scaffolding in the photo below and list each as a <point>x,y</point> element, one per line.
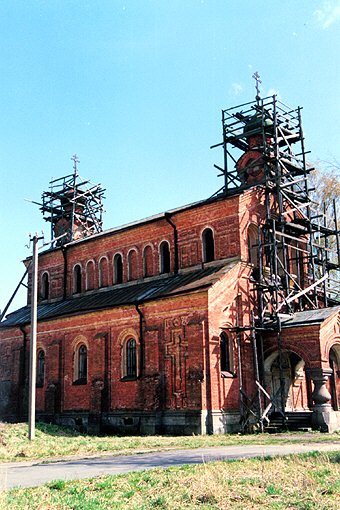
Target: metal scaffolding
<point>73,206</point>
<point>298,261</point>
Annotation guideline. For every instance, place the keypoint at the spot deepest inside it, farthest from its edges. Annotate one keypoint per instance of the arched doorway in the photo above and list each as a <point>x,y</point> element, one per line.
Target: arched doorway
<point>334,380</point>
<point>286,381</point>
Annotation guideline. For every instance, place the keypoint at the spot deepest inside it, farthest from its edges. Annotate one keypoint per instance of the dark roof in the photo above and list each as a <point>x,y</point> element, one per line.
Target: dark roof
<point>127,294</point>
<point>308,317</point>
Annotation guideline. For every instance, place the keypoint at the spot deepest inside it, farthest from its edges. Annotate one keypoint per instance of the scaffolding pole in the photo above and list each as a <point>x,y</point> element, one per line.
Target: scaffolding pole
<point>299,248</point>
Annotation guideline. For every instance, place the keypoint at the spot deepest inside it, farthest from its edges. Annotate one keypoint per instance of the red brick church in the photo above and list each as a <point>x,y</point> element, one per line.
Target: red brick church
<point>219,316</point>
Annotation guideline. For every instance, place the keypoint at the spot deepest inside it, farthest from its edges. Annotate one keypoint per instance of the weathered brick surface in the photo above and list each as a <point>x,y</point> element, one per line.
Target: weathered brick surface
<point>221,216</point>
<point>178,338</point>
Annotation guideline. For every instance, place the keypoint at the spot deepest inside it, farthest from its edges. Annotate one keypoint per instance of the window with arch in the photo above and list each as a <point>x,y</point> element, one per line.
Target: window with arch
<point>295,252</point>
<point>103,272</point>
<point>147,261</point>
<point>130,359</point>
<point>77,287</point>
<point>40,374</point>
<point>164,252</point>
<point>117,268</point>
<point>226,355</point>
<point>80,365</point>
<point>90,275</point>
<point>253,244</point>
<point>132,265</point>
<point>208,245</point>
<point>45,286</point>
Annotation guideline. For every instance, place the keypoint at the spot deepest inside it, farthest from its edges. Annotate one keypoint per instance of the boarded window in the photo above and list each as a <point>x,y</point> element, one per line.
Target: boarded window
<point>103,272</point>
<point>253,245</point>
<point>147,261</point>
<point>90,275</point>
<point>132,265</point>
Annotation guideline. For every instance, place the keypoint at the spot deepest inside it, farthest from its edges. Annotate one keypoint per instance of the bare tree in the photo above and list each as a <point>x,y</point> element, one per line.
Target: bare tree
<point>326,183</point>
<point>325,180</point>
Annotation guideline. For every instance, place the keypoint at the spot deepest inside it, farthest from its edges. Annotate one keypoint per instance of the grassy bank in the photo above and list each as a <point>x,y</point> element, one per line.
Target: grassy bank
<point>52,441</point>
<point>301,482</point>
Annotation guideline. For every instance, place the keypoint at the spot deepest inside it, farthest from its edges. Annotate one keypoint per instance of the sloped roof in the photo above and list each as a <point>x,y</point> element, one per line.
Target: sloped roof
<point>308,317</point>
<point>127,294</point>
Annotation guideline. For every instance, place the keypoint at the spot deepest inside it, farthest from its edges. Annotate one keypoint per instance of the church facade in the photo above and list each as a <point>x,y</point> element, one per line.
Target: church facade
<point>153,327</point>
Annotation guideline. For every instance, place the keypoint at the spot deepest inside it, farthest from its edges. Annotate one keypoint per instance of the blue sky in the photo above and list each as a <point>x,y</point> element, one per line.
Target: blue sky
<point>135,88</point>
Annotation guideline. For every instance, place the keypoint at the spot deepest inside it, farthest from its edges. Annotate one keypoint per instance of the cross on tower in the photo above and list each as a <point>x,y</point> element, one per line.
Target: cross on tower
<point>256,77</point>
<point>75,161</point>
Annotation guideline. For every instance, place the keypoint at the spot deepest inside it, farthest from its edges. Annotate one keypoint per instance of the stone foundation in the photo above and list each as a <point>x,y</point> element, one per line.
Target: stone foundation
<point>326,420</point>
<point>149,423</point>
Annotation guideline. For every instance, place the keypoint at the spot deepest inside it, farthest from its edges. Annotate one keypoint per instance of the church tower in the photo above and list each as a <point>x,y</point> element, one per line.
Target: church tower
<point>73,206</point>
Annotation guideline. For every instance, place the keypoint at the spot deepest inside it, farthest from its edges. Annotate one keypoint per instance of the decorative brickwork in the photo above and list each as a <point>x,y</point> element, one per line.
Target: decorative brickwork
<point>170,378</point>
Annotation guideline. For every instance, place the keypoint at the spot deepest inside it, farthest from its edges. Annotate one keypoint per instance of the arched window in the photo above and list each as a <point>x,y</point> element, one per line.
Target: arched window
<point>132,265</point>
<point>253,245</point>
<point>45,286</point>
<point>147,261</point>
<point>80,365</point>
<point>103,272</point>
<point>164,251</point>
<point>226,362</point>
<point>117,268</point>
<point>208,245</point>
<point>131,358</point>
<point>296,264</point>
<point>40,368</point>
<point>90,275</point>
<point>77,287</point>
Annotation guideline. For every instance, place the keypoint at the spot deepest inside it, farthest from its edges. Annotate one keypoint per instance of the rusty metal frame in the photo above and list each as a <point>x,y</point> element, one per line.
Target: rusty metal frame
<point>76,200</point>
<point>296,230</point>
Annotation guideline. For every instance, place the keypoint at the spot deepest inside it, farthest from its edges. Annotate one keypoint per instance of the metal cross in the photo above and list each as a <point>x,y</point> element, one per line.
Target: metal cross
<point>75,161</point>
<point>256,77</point>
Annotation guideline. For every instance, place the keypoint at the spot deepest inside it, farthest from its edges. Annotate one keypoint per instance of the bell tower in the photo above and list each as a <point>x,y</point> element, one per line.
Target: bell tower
<point>73,207</point>
<point>293,244</point>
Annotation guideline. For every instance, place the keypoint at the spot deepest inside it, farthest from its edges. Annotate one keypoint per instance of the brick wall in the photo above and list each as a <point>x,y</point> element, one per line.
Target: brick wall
<point>170,374</point>
<point>221,216</point>
<point>178,338</point>
<point>229,302</point>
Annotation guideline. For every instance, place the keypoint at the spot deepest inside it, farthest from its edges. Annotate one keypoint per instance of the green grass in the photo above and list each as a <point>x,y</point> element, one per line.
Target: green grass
<point>299,482</point>
<point>57,442</point>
